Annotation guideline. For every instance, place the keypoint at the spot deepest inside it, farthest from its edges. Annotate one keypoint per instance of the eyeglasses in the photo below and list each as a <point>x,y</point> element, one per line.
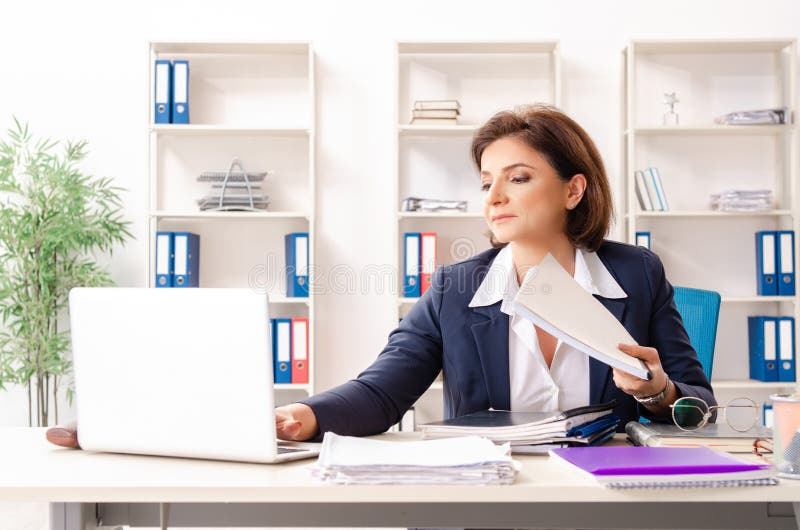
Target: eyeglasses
<point>692,413</point>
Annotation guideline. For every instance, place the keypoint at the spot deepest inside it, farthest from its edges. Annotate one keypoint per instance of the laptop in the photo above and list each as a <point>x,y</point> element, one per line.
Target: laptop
<point>176,372</point>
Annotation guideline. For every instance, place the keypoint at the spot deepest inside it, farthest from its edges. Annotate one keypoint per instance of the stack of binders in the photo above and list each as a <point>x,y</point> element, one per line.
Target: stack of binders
<point>419,263</point>
<point>429,112</point>
<point>650,190</point>
<point>772,348</point>
<point>171,92</point>
<point>296,264</point>
<point>177,259</point>
<point>290,354</point>
<point>775,263</point>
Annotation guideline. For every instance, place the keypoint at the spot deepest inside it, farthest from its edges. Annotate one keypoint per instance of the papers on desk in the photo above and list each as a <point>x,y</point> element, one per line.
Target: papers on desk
<point>555,302</point>
<point>466,460</point>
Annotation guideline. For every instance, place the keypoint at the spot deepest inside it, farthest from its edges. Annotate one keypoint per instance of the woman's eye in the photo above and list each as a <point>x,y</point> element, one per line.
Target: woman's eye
<point>485,187</point>
<point>520,178</point>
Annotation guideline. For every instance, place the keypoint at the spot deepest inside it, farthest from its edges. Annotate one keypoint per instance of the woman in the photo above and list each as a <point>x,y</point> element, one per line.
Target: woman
<point>545,190</point>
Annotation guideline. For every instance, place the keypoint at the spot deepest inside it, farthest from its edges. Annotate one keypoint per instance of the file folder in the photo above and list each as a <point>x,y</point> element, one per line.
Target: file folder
<point>162,99</point>
<point>296,264</point>
<point>645,202</point>
<point>180,92</point>
<point>300,351</point>
<point>282,349</point>
<point>643,239</point>
<point>766,272</point>
<point>427,260</point>
<point>763,336</point>
<point>786,365</point>
<point>785,258</point>
<point>187,260</point>
<point>165,256</point>
<point>652,190</point>
<point>411,262</point>
<point>662,197</point>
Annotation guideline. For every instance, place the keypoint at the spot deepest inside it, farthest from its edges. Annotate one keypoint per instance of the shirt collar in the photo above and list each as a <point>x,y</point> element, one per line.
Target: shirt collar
<point>500,282</point>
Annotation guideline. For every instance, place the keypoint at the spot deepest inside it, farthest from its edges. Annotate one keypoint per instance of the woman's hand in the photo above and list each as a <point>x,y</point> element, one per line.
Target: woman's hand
<point>641,388</point>
<point>295,422</point>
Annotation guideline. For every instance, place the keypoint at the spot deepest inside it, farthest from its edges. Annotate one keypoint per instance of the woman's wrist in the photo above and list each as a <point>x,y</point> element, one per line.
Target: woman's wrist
<point>308,420</point>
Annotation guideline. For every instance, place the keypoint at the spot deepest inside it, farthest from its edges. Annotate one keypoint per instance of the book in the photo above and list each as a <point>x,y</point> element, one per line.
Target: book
<point>434,113</point>
<point>575,316</point>
<point>715,435</point>
<point>661,467</point>
<point>437,104</point>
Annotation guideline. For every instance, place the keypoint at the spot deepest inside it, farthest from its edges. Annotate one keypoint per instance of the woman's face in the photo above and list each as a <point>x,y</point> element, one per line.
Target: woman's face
<point>524,198</point>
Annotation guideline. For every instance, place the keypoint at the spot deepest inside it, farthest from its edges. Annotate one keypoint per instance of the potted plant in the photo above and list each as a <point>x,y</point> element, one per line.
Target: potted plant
<point>54,219</point>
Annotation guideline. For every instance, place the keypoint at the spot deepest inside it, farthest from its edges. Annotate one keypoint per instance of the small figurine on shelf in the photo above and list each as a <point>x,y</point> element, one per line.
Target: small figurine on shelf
<point>670,117</point>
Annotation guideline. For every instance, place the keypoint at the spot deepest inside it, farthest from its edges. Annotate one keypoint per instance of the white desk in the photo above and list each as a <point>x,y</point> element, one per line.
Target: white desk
<point>128,490</point>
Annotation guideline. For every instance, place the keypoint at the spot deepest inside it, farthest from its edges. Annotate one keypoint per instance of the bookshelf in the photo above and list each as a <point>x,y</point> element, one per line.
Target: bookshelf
<point>254,101</point>
<point>699,247</point>
<point>435,161</point>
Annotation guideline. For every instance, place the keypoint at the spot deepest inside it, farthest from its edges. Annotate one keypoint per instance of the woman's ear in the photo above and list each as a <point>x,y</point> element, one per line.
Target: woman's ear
<point>576,187</point>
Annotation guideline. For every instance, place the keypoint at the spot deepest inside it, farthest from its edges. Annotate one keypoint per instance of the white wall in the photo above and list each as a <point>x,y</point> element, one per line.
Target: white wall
<point>79,69</point>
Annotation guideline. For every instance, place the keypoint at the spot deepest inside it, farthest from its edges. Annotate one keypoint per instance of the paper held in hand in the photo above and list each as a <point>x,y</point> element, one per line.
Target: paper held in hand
<point>555,302</point>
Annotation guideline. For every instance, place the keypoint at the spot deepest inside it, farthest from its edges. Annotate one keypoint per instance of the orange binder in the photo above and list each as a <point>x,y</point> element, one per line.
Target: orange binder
<point>299,351</point>
<point>427,259</point>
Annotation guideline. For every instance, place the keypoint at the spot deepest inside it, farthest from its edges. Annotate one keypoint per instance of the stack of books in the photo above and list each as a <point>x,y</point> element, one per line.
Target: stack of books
<point>532,432</point>
<point>436,112</point>
<point>742,201</point>
<point>718,436</point>
<point>776,116</point>
<point>650,190</point>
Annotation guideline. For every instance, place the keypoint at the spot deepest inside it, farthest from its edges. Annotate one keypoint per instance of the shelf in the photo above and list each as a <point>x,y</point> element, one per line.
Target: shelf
<point>439,215</point>
<point>710,46</point>
<point>211,130</point>
<point>284,386</point>
<point>717,130</point>
<point>751,384</point>
<point>438,130</point>
<point>476,47</point>
<point>757,299</point>
<point>713,213</point>
<point>167,214</point>
<point>237,48</point>
<point>406,301</point>
<point>286,301</point>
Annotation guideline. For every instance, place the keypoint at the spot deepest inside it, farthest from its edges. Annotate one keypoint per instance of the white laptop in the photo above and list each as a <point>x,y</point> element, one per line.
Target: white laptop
<point>176,372</point>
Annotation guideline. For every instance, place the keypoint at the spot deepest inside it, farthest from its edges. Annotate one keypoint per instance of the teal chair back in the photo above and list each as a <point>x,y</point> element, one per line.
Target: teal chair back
<point>699,310</point>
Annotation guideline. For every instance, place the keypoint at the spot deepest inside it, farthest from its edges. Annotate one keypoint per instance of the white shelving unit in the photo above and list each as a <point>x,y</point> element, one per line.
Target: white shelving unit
<point>254,101</point>
<point>699,247</point>
<point>435,162</point>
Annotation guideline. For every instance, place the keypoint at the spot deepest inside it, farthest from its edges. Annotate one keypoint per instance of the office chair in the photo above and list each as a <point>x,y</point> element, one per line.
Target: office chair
<point>699,310</point>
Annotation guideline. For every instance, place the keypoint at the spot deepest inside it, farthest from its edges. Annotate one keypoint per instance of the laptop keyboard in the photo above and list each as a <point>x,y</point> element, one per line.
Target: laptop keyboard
<point>286,450</point>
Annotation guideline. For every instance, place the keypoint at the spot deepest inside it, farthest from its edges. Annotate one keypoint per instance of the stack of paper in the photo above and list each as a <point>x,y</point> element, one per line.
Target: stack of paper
<point>234,190</point>
<point>774,116</point>
<point>742,201</point>
<point>467,460</point>
<point>417,204</point>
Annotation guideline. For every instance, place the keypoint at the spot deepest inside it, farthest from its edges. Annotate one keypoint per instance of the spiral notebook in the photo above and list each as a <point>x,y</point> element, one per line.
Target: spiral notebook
<point>664,467</point>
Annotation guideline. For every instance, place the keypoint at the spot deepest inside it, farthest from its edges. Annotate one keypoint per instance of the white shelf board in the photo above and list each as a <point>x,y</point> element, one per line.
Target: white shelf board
<point>713,213</point>
<point>407,301</point>
<point>180,48</point>
<point>652,46</point>
<point>751,384</point>
<point>477,47</point>
<point>757,299</point>
<point>164,214</point>
<point>284,386</point>
<point>439,130</point>
<point>715,130</point>
<point>285,301</point>
<point>439,215</point>
<point>238,130</point>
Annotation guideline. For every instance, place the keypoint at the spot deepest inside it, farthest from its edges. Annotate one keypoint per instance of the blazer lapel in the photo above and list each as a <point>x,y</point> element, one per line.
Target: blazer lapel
<point>600,373</point>
<point>491,339</point>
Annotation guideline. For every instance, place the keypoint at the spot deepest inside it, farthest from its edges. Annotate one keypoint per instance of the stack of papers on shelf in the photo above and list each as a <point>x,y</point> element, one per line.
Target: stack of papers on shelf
<point>467,460</point>
<point>718,436</point>
<point>774,116</point>
<point>417,204</point>
<point>742,201</point>
<point>664,467</point>
<point>436,112</point>
<point>238,193</point>
<point>588,425</point>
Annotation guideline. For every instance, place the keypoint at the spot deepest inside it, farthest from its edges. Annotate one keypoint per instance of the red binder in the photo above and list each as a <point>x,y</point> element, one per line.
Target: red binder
<point>427,259</point>
<point>299,351</point>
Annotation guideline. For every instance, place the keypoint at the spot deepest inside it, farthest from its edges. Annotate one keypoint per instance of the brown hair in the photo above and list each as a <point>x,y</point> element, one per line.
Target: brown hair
<point>569,150</point>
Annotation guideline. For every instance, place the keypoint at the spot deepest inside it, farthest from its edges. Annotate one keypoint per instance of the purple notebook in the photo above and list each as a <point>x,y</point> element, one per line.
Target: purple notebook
<point>632,461</point>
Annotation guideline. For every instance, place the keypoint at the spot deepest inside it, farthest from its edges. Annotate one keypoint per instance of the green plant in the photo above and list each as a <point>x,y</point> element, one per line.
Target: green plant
<point>54,219</point>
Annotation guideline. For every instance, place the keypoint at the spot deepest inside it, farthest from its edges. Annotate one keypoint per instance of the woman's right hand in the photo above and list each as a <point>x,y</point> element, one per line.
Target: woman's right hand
<point>295,422</point>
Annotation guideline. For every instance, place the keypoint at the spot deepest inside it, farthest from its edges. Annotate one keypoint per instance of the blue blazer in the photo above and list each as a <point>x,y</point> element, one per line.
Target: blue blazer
<point>470,345</point>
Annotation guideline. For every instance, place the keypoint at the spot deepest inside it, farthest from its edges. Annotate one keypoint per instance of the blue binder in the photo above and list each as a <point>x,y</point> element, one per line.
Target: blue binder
<point>282,349</point>
<point>296,264</point>
<point>187,260</point>
<point>643,239</point>
<point>162,99</point>
<point>766,270</point>
<point>763,336</point>
<point>785,262</point>
<point>767,419</point>
<point>411,265</point>
<point>180,92</point>
<point>786,364</point>
<point>165,255</point>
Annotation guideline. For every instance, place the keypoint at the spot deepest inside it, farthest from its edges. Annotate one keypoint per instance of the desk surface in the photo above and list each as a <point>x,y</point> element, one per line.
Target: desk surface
<point>33,470</point>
